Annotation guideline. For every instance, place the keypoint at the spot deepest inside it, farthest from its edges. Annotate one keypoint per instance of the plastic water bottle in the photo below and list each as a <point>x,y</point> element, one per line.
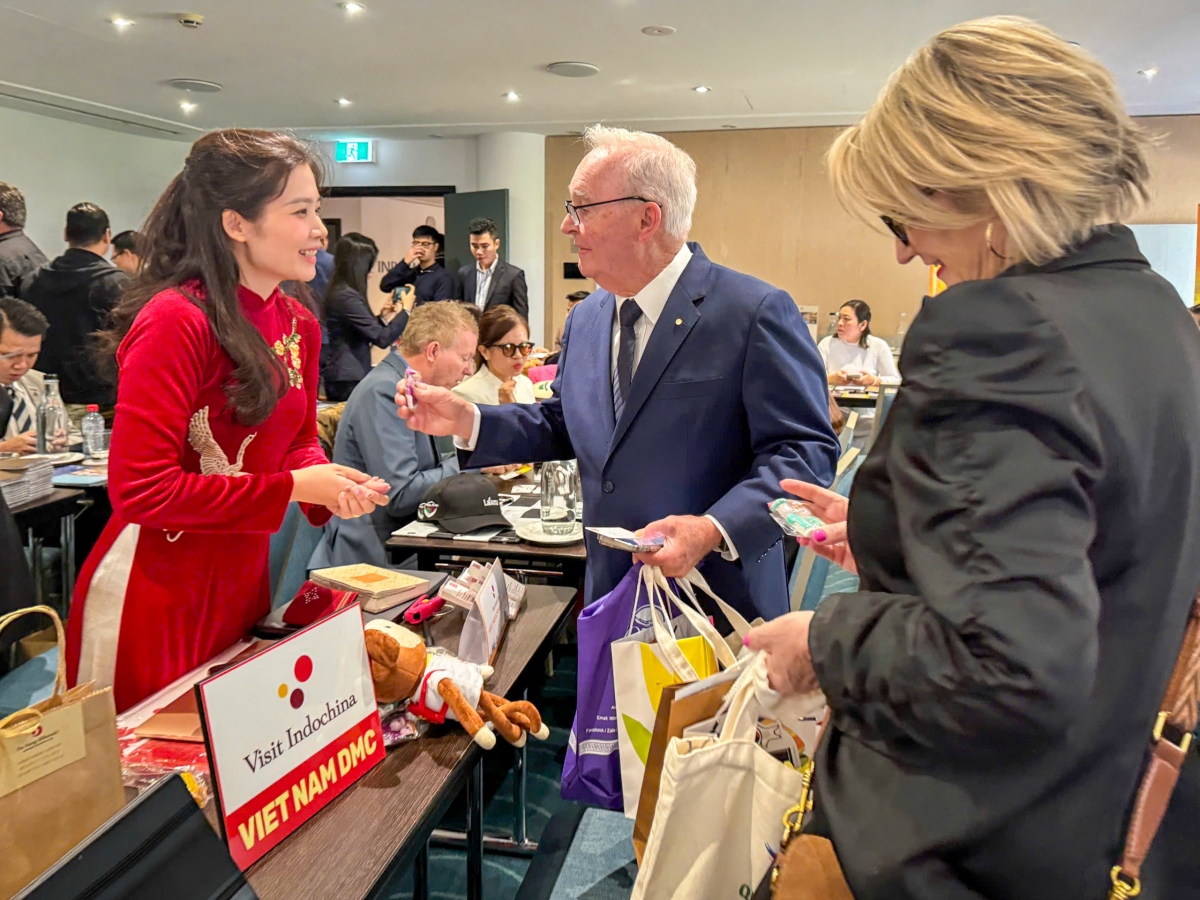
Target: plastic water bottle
<point>51,420</point>
<point>92,427</point>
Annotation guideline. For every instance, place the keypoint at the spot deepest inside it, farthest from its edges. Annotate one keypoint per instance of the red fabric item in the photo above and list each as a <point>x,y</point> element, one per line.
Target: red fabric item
<point>542,373</point>
<point>198,578</point>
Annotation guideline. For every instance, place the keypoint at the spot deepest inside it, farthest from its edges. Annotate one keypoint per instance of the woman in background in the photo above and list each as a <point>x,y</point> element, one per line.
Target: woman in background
<point>215,432</point>
<point>351,326</point>
<point>503,348</point>
<point>857,357</point>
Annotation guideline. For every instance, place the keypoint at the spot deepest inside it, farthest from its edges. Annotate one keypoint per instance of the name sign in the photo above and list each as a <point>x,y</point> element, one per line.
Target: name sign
<point>288,730</point>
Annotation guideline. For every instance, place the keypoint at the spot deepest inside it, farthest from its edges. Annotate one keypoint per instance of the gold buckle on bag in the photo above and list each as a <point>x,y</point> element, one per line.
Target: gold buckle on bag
<point>1122,889</point>
<point>1184,744</point>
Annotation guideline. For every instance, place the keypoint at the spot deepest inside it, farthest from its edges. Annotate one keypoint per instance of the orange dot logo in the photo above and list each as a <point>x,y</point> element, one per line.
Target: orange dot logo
<point>303,671</point>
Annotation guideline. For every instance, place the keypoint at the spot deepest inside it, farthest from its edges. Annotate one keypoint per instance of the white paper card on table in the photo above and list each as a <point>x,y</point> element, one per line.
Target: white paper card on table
<point>288,730</point>
<point>524,489</point>
<point>485,622</point>
<point>415,529</point>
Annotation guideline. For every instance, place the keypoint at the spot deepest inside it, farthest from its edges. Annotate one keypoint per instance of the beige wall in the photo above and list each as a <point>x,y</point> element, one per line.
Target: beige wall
<point>765,207</point>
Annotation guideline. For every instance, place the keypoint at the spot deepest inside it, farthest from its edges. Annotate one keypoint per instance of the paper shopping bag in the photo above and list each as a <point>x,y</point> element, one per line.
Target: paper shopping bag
<point>675,650</point>
<point>60,772</point>
<point>721,802</point>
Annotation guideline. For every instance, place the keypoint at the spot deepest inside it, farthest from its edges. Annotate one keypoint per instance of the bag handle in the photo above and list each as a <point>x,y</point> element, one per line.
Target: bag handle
<point>1168,750</point>
<point>743,704</point>
<point>60,678</point>
<point>660,620</point>
<point>693,580</point>
<point>697,620</point>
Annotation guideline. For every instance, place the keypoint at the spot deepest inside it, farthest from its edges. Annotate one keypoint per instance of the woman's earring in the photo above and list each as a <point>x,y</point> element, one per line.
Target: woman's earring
<point>987,237</point>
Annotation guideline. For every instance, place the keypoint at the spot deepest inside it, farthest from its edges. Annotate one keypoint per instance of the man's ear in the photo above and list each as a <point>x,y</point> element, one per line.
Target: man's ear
<point>432,350</point>
<point>235,226</point>
<point>651,222</point>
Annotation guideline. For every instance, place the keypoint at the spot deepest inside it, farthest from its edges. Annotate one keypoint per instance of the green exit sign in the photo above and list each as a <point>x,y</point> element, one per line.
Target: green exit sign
<point>354,151</point>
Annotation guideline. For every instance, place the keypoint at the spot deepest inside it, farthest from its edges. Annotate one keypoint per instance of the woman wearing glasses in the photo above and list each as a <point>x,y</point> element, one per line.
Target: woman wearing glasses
<point>503,349</point>
<point>1026,526</point>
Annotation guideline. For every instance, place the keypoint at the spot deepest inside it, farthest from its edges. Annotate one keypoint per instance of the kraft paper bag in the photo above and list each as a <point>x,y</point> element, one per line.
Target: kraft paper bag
<point>60,772</point>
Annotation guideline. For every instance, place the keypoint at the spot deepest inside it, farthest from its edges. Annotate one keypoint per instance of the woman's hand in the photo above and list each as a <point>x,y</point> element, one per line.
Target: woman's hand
<point>338,488</point>
<point>507,391</point>
<point>830,508</point>
<point>438,411</point>
<point>789,664</point>
<point>837,379</point>
<point>866,379</point>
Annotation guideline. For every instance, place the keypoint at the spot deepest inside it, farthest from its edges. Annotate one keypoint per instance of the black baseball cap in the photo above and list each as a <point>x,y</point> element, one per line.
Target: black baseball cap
<point>462,503</point>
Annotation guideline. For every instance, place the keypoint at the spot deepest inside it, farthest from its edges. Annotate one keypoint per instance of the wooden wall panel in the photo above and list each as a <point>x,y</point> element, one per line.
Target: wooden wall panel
<point>765,207</point>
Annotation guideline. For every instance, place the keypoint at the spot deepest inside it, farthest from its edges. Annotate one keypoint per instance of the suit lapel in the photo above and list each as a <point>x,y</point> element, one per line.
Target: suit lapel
<point>495,280</point>
<point>678,318</point>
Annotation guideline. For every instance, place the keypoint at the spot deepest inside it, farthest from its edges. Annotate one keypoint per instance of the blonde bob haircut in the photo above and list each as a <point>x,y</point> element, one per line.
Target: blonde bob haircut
<point>1001,117</point>
<point>443,322</point>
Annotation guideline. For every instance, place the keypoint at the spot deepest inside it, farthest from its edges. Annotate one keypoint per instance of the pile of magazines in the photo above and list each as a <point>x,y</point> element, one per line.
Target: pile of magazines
<point>25,480</point>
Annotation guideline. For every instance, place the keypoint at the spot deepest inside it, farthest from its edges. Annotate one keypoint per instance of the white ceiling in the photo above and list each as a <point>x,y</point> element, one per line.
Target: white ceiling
<point>416,68</point>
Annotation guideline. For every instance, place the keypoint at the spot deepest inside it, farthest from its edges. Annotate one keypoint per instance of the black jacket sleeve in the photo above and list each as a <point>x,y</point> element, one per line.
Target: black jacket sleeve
<point>399,274</point>
<point>357,314</point>
<point>447,288</point>
<point>520,295</point>
<point>993,452</point>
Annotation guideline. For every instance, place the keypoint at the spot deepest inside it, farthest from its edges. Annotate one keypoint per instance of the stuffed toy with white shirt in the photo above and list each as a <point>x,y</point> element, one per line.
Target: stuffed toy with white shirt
<point>438,685</point>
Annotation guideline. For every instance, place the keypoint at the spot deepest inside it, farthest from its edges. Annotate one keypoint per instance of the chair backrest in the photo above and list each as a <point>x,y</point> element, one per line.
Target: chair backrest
<point>291,546</point>
<point>883,406</point>
<point>847,435</point>
<point>813,577</point>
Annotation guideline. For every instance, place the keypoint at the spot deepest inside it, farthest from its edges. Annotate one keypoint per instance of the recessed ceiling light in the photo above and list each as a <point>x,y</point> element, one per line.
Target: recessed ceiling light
<point>701,89</point>
<point>658,30</point>
<point>121,23</point>
<point>511,96</point>
<point>1148,74</point>
<point>572,69</point>
<point>342,101</point>
<point>352,8</point>
<point>186,105</point>
<point>195,85</point>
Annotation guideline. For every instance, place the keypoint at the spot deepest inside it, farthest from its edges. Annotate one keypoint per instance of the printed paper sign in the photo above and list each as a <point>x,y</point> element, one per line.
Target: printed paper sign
<point>288,730</point>
<point>55,741</point>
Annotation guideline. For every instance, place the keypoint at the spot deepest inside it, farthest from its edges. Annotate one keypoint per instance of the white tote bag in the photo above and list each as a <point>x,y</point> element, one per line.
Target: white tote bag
<point>679,647</point>
<point>721,801</point>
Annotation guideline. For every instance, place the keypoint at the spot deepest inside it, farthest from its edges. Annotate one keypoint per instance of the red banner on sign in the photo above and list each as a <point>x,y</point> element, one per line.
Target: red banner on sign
<point>255,828</point>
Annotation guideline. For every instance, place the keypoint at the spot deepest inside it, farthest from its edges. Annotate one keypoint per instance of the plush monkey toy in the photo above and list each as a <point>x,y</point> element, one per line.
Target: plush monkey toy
<point>439,686</point>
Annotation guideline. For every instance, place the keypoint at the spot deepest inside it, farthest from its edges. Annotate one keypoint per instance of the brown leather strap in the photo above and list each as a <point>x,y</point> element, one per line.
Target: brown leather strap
<point>1168,750</point>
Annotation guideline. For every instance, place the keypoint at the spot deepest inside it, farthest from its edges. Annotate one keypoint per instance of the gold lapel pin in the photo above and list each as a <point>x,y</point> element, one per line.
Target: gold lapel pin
<point>679,321</point>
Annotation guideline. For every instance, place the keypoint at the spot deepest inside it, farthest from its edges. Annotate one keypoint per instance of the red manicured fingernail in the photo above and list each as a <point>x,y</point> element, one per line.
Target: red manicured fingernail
<point>819,536</point>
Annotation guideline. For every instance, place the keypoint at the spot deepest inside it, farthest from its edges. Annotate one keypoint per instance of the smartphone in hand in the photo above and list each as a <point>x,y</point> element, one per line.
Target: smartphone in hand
<point>624,539</point>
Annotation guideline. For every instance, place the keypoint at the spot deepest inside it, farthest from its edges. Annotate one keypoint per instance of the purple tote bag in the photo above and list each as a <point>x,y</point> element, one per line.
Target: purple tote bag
<point>592,771</point>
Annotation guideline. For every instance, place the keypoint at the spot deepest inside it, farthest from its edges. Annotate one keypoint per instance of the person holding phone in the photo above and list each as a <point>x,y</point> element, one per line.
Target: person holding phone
<point>855,356</point>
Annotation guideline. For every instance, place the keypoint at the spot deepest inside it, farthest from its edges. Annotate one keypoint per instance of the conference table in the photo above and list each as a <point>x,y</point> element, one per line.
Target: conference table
<point>382,824</point>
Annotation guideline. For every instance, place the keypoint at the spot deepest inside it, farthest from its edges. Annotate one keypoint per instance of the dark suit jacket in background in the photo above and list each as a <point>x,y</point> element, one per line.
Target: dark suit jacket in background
<point>1027,531</point>
<point>728,398</point>
<point>353,329</point>
<point>19,257</point>
<point>507,287</point>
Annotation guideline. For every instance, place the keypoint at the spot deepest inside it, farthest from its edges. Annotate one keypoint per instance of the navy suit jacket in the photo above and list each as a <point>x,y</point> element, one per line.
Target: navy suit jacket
<point>728,398</point>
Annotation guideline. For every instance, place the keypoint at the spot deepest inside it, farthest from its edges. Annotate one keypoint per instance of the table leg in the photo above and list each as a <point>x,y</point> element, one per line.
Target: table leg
<point>68,561</point>
<point>475,831</point>
<point>36,568</point>
<point>421,874</point>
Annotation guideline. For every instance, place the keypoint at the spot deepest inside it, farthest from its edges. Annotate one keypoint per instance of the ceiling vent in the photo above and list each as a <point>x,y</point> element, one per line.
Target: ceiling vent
<point>572,69</point>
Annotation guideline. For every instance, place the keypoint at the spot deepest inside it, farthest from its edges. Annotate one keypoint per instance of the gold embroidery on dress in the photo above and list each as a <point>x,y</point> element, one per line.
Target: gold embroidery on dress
<point>213,460</point>
<point>288,349</point>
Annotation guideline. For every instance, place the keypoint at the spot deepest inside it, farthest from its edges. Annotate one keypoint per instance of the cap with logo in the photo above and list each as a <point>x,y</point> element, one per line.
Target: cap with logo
<point>462,503</point>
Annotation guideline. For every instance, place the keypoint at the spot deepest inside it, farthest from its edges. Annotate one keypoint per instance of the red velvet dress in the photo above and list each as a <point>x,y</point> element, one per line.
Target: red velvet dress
<point>180,572</point>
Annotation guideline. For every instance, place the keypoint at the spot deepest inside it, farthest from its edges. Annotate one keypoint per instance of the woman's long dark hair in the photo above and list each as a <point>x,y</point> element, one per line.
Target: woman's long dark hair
<point>353,258</point>
<point>495,324</point>
<point>863,313</point>
<point>184,240</point>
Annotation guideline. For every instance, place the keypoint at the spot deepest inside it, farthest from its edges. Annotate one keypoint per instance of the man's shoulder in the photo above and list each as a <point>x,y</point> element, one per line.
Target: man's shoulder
<point>33,381</point>
<point>749,289</point>
<point>509,268</point>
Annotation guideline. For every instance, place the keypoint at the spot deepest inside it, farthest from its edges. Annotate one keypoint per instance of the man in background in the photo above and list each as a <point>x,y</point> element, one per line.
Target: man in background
<point>19,256</point>
<point>491,281</point>
<point>127,252</point>
<point>22,328</point>
<point>439,344</point>
<point>573,299</point>
<point>420,268</point>
<point>75,293</point>
<point>320,282</point>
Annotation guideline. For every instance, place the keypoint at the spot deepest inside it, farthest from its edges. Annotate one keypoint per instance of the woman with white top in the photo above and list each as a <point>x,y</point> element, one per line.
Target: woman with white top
<point>857,357</point>
<point>503,348</point>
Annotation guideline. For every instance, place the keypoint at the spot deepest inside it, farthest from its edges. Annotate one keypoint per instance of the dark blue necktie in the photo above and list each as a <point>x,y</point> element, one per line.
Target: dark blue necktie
<point>630,313</point>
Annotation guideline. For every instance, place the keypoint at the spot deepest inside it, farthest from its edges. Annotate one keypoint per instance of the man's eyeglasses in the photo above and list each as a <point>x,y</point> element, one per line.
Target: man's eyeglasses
<point>511,350</point>
<point>18,354</point>
<point>425,244</point>
<point>896,228</point>
<point>574,209</point>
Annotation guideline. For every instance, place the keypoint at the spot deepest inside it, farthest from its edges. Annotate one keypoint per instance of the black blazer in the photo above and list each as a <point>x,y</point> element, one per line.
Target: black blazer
<point>352,329</point>
<point>507,287</point>
<point>1027,532</point>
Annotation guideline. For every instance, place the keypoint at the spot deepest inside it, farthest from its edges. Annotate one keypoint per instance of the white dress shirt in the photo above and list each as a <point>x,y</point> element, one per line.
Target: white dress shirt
<point>652,299</point>
<point>483,281</point>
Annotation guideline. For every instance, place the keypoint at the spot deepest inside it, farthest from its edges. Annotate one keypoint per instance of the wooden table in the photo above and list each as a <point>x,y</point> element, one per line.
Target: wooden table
<point>562,564</point>
<point>381,825</point>
<point>61,504</point>
<point>857,400</point>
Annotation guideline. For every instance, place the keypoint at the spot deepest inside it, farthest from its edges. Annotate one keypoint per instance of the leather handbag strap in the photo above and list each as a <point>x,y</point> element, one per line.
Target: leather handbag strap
<point>1169,744</point>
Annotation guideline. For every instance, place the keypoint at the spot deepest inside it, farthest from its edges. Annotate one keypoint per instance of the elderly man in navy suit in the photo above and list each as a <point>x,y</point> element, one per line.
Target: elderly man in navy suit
<point>686,390</point>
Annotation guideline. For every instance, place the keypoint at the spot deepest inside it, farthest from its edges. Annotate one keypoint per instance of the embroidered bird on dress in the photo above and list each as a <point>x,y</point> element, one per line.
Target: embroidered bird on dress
<point>288,349</point>
<point>213,460</point>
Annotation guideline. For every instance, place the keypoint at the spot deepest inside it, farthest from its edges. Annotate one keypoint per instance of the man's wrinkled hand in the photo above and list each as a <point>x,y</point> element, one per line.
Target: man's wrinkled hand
<point>688,540</point>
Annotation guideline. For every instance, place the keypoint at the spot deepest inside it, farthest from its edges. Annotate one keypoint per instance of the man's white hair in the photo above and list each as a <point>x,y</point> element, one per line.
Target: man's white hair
<point>657,170</point>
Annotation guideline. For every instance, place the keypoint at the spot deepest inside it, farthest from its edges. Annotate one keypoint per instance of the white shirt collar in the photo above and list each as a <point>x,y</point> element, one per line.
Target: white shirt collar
<point>482,271</point>
<point>653,297</point>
